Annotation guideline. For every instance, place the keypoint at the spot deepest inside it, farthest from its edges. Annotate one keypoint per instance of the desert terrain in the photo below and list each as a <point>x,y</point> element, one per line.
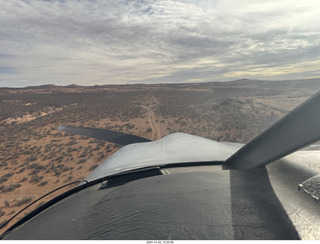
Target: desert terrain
<point>35,157</point>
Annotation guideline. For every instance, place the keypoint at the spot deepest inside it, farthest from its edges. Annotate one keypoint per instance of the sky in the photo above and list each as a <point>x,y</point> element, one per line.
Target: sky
<point>95,42</point>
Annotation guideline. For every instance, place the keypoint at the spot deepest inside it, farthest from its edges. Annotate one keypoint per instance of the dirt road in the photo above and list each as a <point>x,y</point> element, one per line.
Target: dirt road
<point>151,103</point>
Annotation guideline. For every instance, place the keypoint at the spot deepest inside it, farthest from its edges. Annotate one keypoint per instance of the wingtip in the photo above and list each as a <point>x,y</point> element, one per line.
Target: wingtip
<point>61,127</point>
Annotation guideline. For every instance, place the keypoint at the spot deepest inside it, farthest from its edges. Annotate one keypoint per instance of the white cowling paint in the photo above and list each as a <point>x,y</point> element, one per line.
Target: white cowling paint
<point>173,148</point>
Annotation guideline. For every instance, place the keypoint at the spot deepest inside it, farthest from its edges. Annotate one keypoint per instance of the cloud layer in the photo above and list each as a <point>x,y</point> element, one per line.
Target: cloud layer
<point>99,42</point>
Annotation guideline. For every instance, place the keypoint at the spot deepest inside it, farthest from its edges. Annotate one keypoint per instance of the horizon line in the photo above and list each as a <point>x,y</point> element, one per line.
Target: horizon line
<point>73,85</point>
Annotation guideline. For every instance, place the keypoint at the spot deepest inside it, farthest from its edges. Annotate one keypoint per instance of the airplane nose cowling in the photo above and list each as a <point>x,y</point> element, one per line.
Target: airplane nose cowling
<point>173,148</point>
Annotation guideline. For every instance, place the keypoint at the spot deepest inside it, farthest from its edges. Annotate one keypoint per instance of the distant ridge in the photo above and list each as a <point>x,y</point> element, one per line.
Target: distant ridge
<point>48,86</point>
<point>311,82</point>
<point>283,84</point>
<point>51,86</point>
<point>73,86</point>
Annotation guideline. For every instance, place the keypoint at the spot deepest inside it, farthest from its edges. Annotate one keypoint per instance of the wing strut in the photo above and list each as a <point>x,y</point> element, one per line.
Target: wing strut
<point>297,129</point>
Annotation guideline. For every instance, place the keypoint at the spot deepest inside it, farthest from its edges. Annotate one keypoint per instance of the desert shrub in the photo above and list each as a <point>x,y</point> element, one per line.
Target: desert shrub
<point>96,148</point>
<point>48,148</point>
<point>1,212</point>
<point>21,170</point>
<point>23,179</point>
<point>5,177</point>
<point>60,166</point>
<point>59,159</point>
<point>70,149</point>
<point>183,123</point>
<point>27,152</point>
<point>43,183</point>
<point>86,151</point>
<point>81,161</point>
<point>36,168</point>
<point>34,172</point>
<point>36,179</point>
<point>65,169</point>
<point>3,164</point>
<point>69,178</point>
<point>59,134</point>
<point>70,143</point>
<point>22,201</point>
<point>23,164</point>
<point>102,156</point>
<point>11,187</point>
<point>55,140</point>
<point>67,154</point>
<point>83,155</point>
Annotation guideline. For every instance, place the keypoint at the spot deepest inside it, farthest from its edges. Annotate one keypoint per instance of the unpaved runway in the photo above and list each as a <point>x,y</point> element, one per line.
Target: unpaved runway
<point>156,133</point>
<point>152,102</point>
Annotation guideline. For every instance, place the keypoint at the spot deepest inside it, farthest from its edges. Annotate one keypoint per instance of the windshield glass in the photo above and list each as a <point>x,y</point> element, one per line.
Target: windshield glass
<point>145,68</point>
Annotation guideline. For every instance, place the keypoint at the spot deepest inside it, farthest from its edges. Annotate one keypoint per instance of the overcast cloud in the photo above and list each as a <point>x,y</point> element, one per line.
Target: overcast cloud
<point>90,42</point>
